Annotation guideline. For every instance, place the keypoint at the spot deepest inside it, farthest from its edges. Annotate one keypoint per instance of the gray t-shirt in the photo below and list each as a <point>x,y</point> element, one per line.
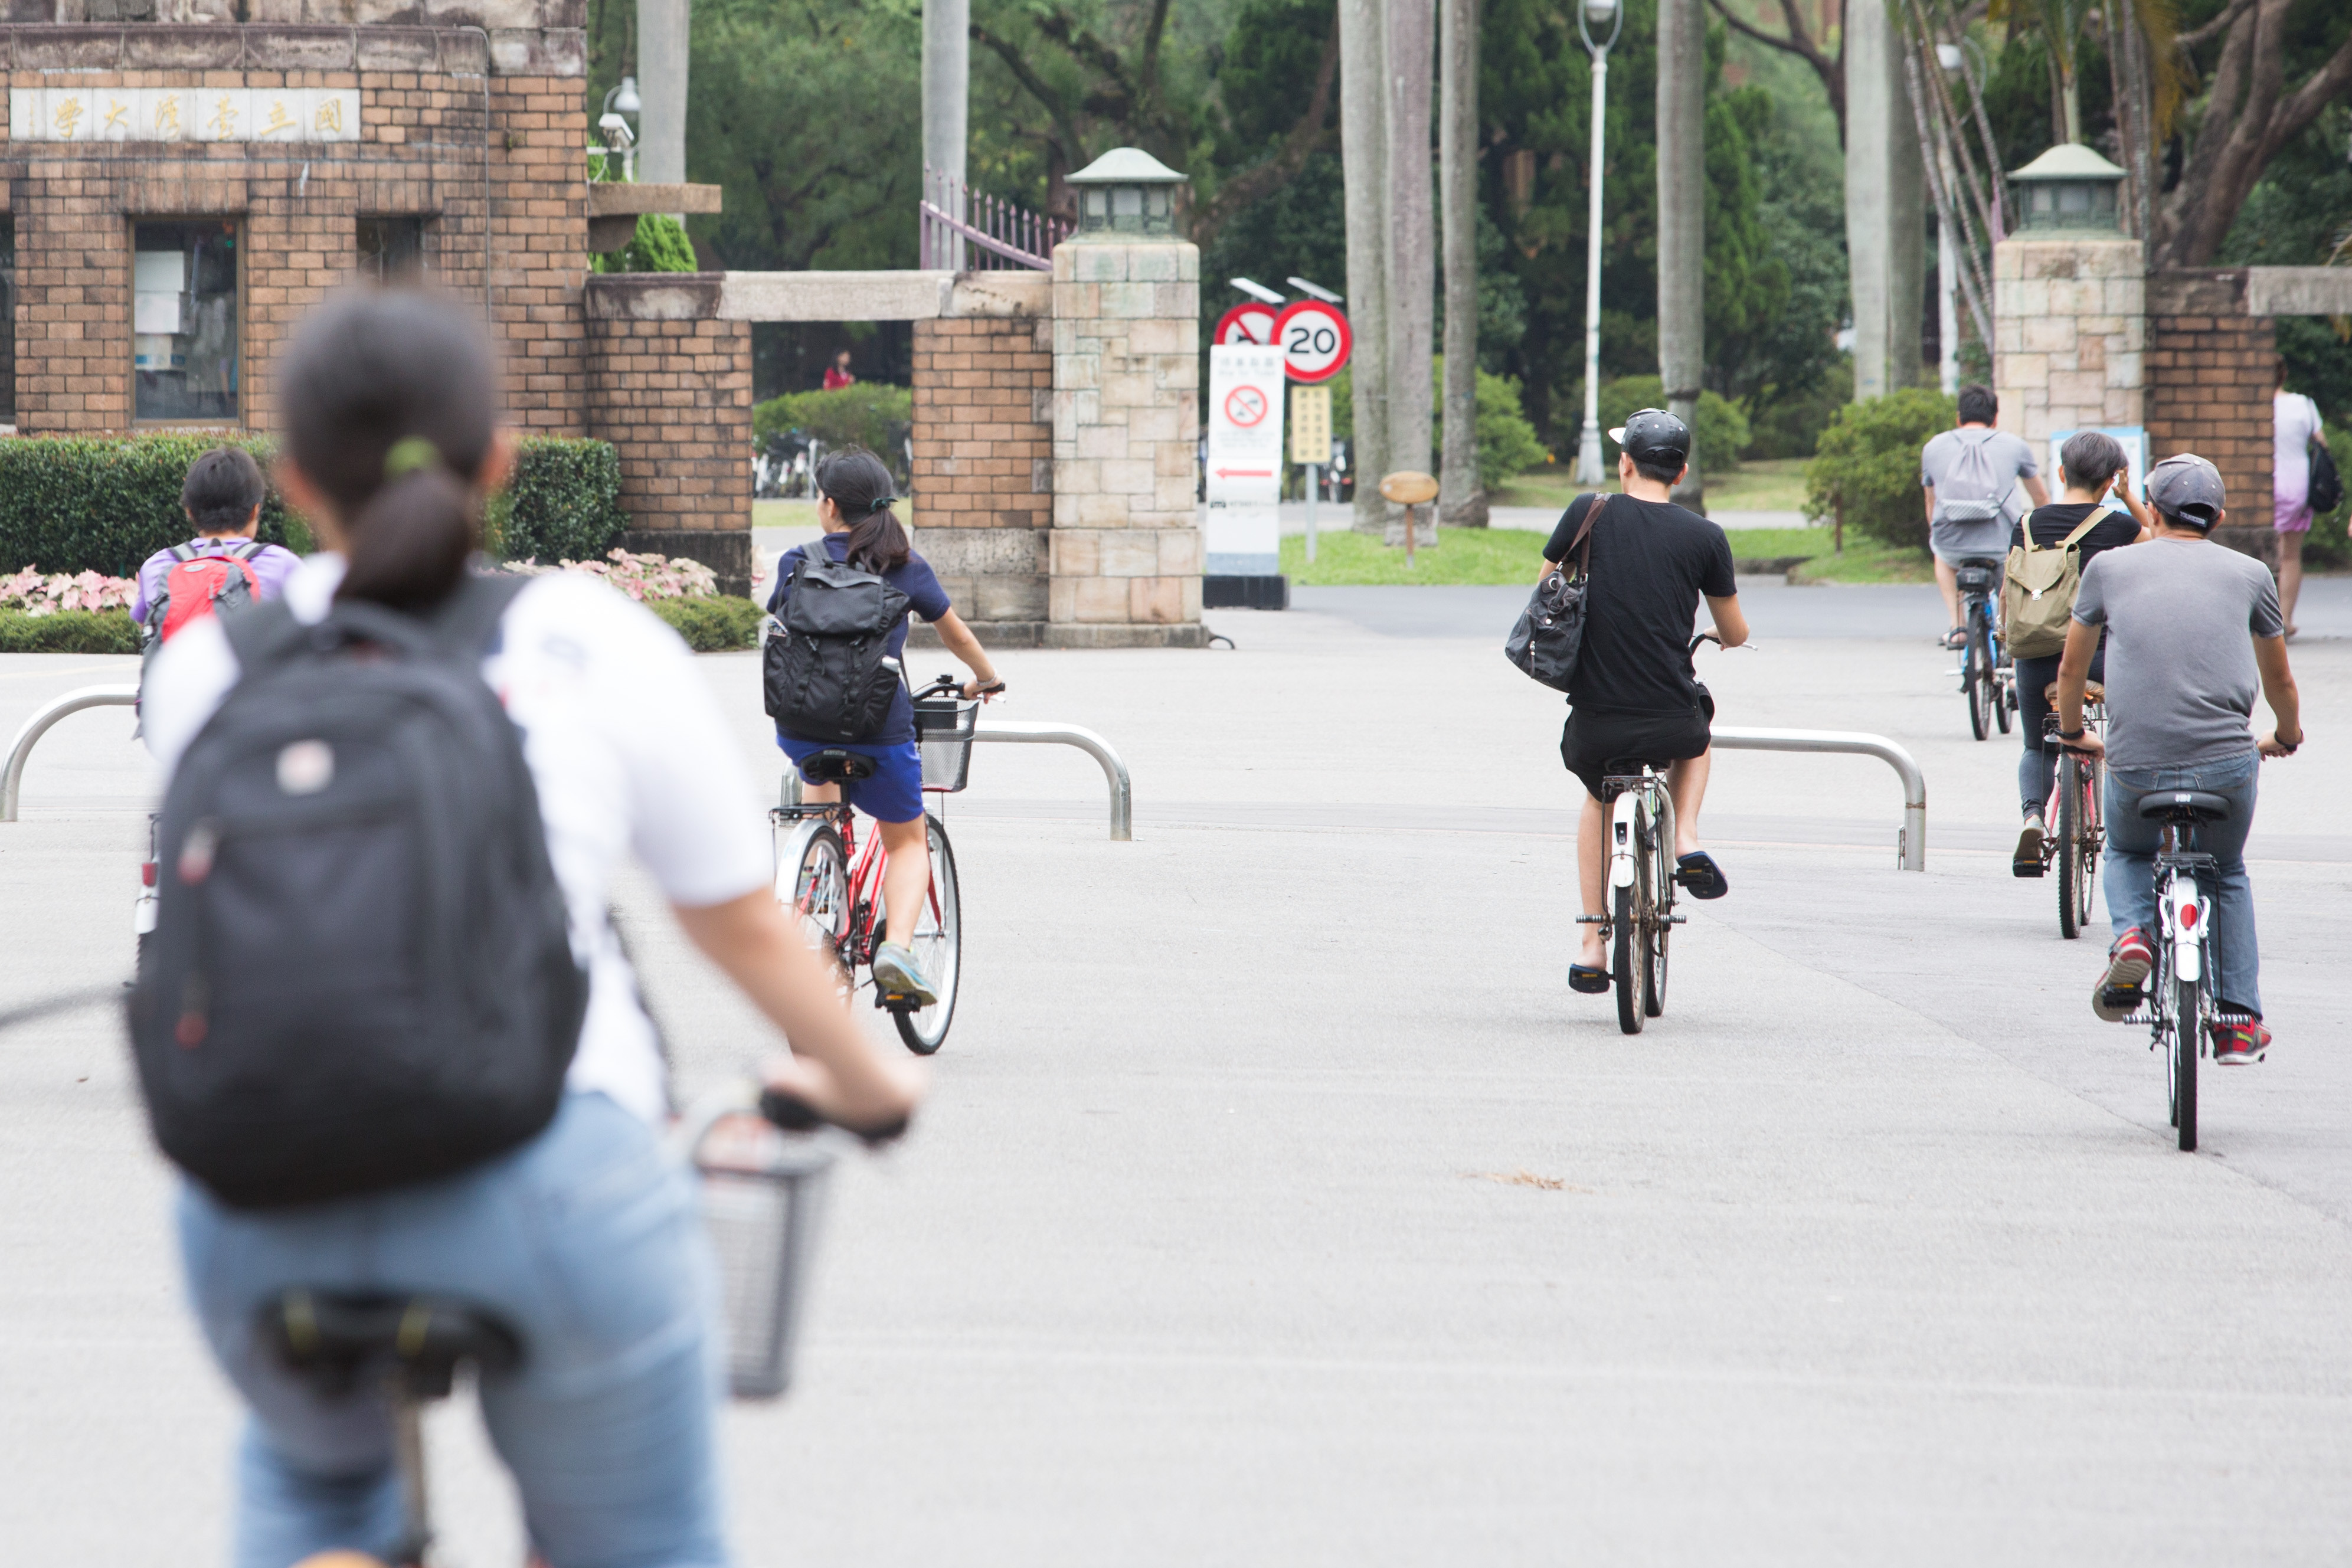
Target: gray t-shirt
<point>2181,616</point>
<point>2012,459</point>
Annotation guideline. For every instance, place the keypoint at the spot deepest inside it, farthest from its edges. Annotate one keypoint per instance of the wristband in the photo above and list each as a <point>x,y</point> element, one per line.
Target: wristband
<point>2070,735</point>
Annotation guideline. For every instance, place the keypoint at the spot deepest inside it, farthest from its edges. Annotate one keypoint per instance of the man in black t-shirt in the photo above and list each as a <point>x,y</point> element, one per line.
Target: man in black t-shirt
<point>1633,699</point>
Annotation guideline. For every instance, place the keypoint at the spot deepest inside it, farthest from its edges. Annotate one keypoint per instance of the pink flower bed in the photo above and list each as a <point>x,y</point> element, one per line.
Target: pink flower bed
<point>35,594</point>
<point>641,577</point>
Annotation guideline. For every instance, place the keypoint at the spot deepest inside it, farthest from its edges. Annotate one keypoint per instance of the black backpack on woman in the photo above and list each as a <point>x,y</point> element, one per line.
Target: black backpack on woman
<point>361,975</point>
<point>825,669</point>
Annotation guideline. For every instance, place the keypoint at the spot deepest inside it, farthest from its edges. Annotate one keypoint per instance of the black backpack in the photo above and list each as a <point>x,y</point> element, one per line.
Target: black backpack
<point>2326,491</point>
<point>361,975</point>
<point>1549,634</point>
<point>825,669</point>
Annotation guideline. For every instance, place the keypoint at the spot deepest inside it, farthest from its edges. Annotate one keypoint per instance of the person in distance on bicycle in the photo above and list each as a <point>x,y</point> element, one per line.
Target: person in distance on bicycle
<point>2193,628</point>
<point>1969,473</point>
<point>1633,697</point>
<point>2091,467</point>
<point>585,1237</point>
<point>853,505</point>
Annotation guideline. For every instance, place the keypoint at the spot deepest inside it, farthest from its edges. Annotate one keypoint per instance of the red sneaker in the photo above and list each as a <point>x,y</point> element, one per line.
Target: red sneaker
<point>2118,990</point>
<point>2235,1044</point>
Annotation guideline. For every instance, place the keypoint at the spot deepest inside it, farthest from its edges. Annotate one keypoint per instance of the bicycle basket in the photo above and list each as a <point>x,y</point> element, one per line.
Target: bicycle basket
<point>944,728</point>
<point>762,1200</point>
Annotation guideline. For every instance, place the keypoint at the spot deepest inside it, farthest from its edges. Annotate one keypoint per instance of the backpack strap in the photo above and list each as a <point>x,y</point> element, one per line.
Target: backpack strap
<point>264,634</point>
<point>464,625</point>
<point>184,553</point>
<point>2070,541</point>
<point>245,549</point>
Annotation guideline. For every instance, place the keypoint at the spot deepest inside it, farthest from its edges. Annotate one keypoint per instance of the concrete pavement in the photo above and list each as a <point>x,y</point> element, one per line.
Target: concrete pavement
<point>1278,1205</point>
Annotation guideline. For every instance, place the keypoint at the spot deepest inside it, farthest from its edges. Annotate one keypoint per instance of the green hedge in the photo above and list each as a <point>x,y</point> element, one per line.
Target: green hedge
<point>858,415</point>
<point>563,502</point>
<point>1867,467</point>
<point>105,504</point>
<point>68,631</point>
<point>716,625</point>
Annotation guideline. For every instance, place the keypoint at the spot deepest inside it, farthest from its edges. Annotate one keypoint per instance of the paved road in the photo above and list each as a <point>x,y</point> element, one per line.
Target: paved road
<point>1279,1205</point>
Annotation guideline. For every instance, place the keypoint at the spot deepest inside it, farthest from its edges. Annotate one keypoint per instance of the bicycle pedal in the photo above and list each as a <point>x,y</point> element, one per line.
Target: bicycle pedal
<point>1678,920</point>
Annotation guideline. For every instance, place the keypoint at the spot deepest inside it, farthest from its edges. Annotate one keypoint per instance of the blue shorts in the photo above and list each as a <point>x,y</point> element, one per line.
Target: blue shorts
<point>895,793</point>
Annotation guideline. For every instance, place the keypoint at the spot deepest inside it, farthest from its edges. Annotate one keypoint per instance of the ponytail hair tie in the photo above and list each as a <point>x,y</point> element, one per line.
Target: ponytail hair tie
<point>881,504</point>
<point>408,455</point>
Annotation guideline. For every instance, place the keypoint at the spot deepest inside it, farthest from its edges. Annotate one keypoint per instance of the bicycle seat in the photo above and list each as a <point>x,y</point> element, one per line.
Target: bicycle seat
<point>332,1336</point>
<point>832,767</point>
<point>2195,805</point>
<point>2093,692</point>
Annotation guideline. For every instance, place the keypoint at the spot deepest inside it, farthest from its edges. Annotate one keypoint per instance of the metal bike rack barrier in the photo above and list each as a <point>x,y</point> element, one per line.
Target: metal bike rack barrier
<point>1912,841</point>
<point>1024,732</point>
<point>12,779</point>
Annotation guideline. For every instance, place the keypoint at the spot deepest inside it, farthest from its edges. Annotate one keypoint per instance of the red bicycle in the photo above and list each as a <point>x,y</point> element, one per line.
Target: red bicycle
<point>829,872</point>
<point>2073,834</point>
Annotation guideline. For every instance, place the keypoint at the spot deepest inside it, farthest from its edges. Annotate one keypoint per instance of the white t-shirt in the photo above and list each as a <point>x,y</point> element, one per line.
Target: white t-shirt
<point>628,750</point>
<point>2294,420</point>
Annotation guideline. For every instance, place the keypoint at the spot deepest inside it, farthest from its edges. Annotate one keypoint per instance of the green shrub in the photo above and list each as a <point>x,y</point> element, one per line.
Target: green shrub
<point>563,503</point>
<point>1507,443</point>
<point>856,415</point>
<point>105,504</point>
<point>715,623</point>
<point>1867,466</point>
<point>1791,426</point>
<point>68,631</point>
<point>660,245</point>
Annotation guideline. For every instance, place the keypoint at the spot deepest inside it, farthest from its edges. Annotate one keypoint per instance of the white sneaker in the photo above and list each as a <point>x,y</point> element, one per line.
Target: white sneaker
<point>898,976</point>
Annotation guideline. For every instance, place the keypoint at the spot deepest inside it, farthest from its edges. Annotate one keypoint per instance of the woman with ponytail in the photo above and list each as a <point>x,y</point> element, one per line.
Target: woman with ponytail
<point>854,491</point>
<point>584,1237</point>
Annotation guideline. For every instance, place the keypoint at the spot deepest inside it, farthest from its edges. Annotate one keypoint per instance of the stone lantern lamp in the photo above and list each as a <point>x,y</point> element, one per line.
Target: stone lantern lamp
<point>2069,189</point>
<point>1126,194</point>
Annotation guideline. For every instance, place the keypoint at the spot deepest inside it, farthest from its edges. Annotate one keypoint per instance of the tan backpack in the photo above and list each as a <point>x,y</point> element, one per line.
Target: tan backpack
<point>2038,599</point>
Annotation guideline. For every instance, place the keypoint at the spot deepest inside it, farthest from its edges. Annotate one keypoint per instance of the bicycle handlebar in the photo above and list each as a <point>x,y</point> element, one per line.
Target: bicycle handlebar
<point>794,1114</point>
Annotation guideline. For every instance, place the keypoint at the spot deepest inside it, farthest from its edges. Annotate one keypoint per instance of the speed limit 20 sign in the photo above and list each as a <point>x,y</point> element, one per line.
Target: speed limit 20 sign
<point>1315,340</point>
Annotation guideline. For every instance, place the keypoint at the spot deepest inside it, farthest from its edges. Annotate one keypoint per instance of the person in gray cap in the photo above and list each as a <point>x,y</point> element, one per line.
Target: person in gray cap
<point>1633,699</point>
<point>2192,628</point>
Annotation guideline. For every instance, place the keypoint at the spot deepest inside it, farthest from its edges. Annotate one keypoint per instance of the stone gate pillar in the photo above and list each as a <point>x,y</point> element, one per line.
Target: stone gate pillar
<point>2070,334</point>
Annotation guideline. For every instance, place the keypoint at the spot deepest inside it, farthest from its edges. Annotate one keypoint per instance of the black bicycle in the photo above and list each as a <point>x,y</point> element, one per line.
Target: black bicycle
<point>1990,696</point>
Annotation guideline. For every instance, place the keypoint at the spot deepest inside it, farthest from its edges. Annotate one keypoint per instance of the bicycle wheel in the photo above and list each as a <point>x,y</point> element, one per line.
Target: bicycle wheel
<point>2071,911</point>
<point>938,947</point>
<point>815,887</point>
<point>2187,1038</point>
<point>1976,679</point>
<point>1661,927</point>
<point>2087,840</point>
<point>1630,960</point>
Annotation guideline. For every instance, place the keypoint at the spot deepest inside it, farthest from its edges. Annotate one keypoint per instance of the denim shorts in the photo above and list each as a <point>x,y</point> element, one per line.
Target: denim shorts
<point>895,793</point>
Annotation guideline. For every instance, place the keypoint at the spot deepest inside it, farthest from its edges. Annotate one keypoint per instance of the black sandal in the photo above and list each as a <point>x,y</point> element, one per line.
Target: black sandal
<point>1588,981</point>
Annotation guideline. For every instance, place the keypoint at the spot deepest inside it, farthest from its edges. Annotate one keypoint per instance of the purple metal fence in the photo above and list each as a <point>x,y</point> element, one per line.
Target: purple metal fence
<point>964,230</point>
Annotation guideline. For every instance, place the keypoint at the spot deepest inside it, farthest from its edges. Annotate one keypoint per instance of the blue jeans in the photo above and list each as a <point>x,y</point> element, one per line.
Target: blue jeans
<point>2132,843</point>
<point>588,1241</point>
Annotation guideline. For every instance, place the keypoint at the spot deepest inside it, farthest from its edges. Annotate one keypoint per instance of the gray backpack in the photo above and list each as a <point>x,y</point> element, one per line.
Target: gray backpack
<point>361,975</point>
<point>1971,491</point>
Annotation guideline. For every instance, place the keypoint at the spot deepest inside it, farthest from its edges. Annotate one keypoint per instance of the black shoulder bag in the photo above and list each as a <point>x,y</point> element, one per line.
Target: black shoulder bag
<point>1550,630</point>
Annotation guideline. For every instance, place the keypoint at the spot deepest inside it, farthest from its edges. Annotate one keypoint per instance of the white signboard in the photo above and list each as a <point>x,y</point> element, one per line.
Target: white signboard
<point>1246,382</point>
<point>2132,438</point>
<point>1242,541</point>
<point>192,112</point>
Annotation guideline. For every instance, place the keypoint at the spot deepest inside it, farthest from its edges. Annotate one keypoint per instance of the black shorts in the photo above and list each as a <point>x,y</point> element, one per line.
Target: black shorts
<point>1598,742</point>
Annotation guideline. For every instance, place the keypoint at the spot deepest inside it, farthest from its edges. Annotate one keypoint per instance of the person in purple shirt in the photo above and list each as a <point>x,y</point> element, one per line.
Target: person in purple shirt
<point>223,500</point>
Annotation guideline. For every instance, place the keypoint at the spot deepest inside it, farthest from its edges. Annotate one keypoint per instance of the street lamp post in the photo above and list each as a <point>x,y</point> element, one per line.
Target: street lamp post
<point>1608,13</point>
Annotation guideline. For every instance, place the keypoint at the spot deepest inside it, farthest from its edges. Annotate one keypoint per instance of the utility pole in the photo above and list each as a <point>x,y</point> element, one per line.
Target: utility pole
<point>1460,501</point>
<point>947,92</point>
<point>1412,230</point>
<point>664,29</point>
<point>1363,157</point>
<point>1682,220</point>
<point>1610,15</point>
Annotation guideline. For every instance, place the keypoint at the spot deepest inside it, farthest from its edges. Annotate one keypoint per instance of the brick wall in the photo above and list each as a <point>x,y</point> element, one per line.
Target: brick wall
<point>983,467</point>
<point>425,151</point>
<point>669,385</point>
<point>2210,370</point>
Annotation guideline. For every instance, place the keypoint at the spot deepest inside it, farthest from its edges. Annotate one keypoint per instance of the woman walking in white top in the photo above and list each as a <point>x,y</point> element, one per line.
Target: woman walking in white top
<point>2295,425</point>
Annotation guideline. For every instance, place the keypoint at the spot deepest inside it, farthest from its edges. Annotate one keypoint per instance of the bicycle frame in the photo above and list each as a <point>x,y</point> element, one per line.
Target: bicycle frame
<point>1625,825</point>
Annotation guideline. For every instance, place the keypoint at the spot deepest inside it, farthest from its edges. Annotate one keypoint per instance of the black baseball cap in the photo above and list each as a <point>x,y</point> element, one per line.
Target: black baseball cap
<point>1654,436</point>
<point>2187,490</point>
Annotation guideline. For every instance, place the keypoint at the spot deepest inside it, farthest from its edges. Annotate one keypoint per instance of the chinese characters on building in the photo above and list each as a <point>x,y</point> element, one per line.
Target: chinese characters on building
<point>189,113</point>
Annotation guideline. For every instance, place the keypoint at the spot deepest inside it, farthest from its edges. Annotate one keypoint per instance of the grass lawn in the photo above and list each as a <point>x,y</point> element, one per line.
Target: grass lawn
<point>1514,556</point>
<point>1777,486</point>
<point>1473,556</point>
<point>783,513</point>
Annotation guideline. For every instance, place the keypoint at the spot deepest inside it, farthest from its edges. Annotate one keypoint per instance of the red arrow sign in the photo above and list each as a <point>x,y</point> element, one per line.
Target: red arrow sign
<point>1244,472</point>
